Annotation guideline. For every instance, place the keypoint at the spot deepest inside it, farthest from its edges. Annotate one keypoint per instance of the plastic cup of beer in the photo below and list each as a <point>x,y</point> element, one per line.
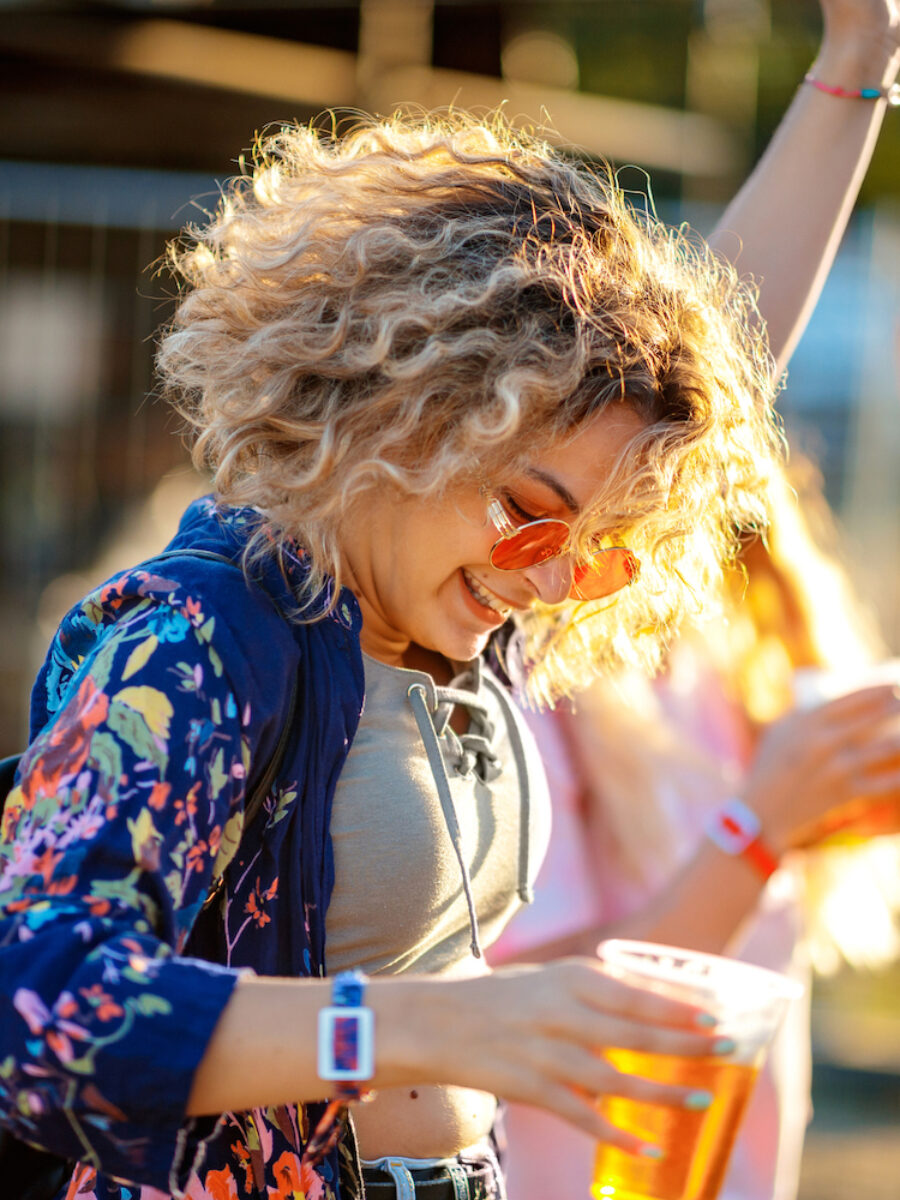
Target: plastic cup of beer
<point>858,821</point>
<point>748,1003</point>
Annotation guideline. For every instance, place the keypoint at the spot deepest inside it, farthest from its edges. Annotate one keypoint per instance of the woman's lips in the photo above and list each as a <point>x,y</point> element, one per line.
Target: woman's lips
<point>484,599</point>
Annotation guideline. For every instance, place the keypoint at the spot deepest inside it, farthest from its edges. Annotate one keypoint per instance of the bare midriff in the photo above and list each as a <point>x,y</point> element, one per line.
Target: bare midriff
<point>423,1122</point>
<point>426,1121</point>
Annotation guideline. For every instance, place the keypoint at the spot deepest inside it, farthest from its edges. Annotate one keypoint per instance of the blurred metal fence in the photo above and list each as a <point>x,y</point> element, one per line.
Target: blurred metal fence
<point>81,435</point>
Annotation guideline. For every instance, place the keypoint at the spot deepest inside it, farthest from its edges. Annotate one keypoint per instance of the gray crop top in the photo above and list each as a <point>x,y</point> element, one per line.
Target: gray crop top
<point>425,874</point>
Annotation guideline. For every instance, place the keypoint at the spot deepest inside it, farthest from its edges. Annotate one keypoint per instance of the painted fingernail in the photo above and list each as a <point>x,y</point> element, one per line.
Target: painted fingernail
<point>707,1020</point>
<point>654,1152</point>
<point>698,1101</point>
<point>724,1046</point>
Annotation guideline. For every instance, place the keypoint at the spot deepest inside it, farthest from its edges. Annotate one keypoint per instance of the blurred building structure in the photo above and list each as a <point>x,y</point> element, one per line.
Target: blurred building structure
<point>117,118</point>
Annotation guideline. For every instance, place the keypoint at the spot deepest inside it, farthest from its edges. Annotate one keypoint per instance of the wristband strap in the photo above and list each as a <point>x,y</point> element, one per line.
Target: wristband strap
<point>736,829</point>
<point>346,1055</point>
<point>347,1037</point>
<point>890,94</point>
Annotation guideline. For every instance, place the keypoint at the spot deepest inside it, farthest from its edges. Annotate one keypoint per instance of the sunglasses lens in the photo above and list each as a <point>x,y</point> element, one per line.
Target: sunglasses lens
<point>533,544</point>
<point>608,571</point>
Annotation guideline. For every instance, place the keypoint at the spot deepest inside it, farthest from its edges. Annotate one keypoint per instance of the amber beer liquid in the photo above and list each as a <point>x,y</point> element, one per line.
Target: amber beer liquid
<point>697,1145</point>
<point>747,1003</point>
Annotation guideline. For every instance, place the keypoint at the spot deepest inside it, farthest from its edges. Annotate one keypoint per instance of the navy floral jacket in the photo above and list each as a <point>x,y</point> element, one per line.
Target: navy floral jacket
<point>160,702</point>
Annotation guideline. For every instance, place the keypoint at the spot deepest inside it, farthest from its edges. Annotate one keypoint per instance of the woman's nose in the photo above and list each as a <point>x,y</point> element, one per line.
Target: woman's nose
<point>551,580</point>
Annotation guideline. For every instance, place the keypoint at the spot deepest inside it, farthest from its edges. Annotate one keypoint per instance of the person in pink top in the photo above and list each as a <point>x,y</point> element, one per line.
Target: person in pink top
<point>635,768</point>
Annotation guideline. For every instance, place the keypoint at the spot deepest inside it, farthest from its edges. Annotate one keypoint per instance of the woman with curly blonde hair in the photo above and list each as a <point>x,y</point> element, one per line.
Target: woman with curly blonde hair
<point>445,382</point>
<point>413,308</point>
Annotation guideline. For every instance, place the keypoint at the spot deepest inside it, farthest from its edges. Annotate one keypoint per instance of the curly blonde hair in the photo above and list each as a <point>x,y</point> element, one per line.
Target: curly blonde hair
<point>422,302</point>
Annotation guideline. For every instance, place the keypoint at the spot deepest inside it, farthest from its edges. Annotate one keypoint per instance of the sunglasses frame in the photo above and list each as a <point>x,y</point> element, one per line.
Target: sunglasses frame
<point>501,521</point>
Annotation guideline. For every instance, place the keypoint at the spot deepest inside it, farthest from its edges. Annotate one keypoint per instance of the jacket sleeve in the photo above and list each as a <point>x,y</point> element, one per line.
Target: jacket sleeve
<point>110,840</point>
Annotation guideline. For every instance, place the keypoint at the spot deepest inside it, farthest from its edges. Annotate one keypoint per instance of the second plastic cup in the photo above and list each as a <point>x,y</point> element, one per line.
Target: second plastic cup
<point>749,1003</point>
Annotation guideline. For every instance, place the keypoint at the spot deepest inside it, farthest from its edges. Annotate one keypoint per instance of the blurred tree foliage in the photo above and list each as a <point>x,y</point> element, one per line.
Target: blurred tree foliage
<point>638,50</point>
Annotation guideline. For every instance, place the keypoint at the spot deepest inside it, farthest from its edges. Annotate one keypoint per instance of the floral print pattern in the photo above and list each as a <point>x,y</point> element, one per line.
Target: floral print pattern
<point>158,705</point>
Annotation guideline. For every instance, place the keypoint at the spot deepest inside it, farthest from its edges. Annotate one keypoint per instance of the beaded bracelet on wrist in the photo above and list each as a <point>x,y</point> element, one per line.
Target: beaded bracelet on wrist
<point>891,94</point>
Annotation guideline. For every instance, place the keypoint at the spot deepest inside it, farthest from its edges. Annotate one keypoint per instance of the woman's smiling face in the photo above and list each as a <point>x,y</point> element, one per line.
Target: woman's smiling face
<point>421,568</point>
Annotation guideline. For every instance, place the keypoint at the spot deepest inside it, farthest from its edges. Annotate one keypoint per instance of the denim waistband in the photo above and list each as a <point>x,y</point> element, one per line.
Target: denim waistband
<point>466,1177</point>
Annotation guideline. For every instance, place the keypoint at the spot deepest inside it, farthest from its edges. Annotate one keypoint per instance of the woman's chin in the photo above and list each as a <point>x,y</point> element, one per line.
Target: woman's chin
<point>461,645</point>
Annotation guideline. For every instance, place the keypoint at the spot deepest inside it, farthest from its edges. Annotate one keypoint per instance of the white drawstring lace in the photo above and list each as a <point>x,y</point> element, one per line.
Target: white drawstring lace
<point>432,708</point>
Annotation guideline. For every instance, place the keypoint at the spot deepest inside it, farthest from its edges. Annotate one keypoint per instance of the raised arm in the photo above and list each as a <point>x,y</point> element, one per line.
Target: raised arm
<point>842,757</point>
<point>785,224</point>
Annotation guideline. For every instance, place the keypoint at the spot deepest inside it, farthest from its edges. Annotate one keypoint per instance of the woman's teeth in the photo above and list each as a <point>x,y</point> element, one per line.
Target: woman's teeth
<point>483,596</point>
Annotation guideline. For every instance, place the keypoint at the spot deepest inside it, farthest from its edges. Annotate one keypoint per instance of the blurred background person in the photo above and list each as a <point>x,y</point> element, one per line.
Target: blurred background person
<point>637,768</point>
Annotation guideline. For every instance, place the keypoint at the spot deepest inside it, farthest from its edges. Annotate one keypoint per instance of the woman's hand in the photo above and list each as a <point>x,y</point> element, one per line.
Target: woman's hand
<point>861,43</point>
<point>536,1034</point>
<point>840,758</point>
<point>872,21</point>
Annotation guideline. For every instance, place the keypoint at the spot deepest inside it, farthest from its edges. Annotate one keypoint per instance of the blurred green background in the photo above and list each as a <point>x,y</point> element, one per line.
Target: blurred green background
<point>116,121</point>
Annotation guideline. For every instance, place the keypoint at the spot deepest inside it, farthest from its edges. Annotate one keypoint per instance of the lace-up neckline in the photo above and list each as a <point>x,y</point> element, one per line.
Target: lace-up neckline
<point>433,707</point>
<point>437,823</point>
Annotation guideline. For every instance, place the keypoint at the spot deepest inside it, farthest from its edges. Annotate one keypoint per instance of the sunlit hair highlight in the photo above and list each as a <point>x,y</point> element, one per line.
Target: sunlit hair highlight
<point>421,303</point>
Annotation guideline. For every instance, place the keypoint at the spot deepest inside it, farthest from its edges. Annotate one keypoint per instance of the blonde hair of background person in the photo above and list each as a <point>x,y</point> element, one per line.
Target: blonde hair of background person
<point>373,330</point>
<point>797,611</point>
<point>789,607</point>
<point>650,762</point>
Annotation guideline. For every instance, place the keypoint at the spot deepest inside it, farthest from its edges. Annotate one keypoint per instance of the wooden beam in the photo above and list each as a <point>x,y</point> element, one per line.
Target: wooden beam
<point>239,62</point>
<point>314,77</point>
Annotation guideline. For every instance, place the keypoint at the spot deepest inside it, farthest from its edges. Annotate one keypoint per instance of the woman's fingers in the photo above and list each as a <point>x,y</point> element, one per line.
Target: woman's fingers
<point>624,1033</point>
<point>572,1083</point>
<point>879,754</point>
<point>881,699</point>
<point>546,1036</point>
<point>597,1076</point>
<point>885,784</point>
<point>580,1109</point>
<point>852,720</point>
<point>815,762</point>
<point>602,988</point>
<point>859,767</point>
<point>593,1010</point>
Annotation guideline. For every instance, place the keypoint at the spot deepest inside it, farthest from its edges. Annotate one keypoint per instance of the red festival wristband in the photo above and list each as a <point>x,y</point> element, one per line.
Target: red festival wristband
<point>736,829</point>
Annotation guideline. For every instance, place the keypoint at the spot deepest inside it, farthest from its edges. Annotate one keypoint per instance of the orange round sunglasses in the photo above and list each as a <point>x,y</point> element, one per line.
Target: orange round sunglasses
<point>605,572</point>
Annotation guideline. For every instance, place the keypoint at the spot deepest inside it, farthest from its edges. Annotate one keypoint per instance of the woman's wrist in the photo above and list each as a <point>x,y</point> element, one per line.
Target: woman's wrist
<point>737,830</point>
<point>773,814</point>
